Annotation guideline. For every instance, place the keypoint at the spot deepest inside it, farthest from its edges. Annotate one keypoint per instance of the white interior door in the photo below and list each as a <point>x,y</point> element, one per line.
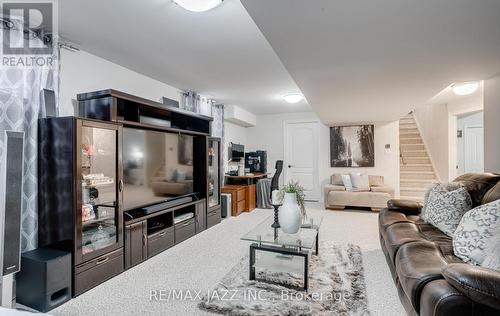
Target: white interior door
<point>474,149</point>
<point>301,156</point>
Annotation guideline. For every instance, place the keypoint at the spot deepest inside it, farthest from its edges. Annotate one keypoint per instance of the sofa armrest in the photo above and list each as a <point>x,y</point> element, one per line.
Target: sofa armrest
<point>482,285</point>
<point>333,187</point>
<point>384,189</point>
<point>407,207</point>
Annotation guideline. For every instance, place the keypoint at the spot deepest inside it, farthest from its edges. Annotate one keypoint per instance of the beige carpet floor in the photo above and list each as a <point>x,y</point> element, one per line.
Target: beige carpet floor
<point>200,262</point>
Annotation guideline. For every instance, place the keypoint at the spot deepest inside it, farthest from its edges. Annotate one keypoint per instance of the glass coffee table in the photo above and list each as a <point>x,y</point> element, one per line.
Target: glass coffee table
<point>267,239</point>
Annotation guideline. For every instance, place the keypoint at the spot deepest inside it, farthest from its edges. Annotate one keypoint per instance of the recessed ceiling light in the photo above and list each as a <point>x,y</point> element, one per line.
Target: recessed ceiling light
<point>293,98</point>
<point>198,5</point>
<point>465,88</point>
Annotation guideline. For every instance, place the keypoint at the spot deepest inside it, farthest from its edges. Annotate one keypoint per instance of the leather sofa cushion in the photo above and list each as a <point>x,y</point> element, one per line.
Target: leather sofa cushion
<point>388,217</point>
<point>405,206</point>
<point>439,298</point>
<point>478,184</point>
<point>417,264</point>
<point>401,233</point>
<point>480,284</point>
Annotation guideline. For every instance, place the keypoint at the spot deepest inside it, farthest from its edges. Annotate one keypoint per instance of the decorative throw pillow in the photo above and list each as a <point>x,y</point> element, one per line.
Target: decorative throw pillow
<point>438,187</point>
<point>492,260</point>
<point>476,232</point>
<point>360,182</point>
<point>376,181</point>
<point>346,179</point>
<point>445,209</point>
<point>336,179</point>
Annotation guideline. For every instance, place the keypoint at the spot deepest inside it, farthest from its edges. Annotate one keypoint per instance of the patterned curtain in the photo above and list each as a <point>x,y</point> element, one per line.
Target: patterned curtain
<point>191,101</point>
<point>218,122</point>
<point>21,95</point>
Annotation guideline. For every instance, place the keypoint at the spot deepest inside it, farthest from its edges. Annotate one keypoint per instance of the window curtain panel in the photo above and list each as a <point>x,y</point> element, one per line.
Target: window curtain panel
<point>193,102</point>
<point>21,99</point>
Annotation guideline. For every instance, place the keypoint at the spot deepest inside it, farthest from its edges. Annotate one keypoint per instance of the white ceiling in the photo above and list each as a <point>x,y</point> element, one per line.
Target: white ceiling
<point>221,53</point>
<point>355,61</point>
<point>365,60</point>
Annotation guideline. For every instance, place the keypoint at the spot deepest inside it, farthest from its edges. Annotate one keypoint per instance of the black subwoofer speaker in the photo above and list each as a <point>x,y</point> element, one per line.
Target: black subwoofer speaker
<point>44,281</point>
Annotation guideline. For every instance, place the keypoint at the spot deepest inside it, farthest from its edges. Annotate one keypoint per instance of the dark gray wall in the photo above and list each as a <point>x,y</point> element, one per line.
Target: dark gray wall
<point>492,125</point>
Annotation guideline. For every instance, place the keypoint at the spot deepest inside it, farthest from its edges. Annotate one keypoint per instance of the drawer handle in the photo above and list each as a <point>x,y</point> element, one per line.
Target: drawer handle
<point>186,223</point>
<point>162,234</point>
<point>101,261</point>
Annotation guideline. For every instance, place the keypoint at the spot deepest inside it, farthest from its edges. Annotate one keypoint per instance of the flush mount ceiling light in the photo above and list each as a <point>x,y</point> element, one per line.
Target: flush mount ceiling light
<point>293,98</point>
<point>198,5</point>
<point>465,88</point>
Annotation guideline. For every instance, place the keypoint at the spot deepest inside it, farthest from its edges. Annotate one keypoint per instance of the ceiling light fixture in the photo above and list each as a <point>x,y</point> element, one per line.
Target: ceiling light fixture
<point>465,88</point>
<point>198,5</point>
<point>293,98</point>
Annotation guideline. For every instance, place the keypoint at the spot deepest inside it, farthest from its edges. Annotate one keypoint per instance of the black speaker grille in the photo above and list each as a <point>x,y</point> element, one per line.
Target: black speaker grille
<point>13,202</point>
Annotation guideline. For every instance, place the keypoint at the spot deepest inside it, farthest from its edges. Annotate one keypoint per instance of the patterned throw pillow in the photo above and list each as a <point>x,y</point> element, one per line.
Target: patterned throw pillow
<point>476,233</point>
<point>346,179</point>
<point>360,182</point>
<point>445,209</point>
<point>492,260</point>
<point>439,187</point>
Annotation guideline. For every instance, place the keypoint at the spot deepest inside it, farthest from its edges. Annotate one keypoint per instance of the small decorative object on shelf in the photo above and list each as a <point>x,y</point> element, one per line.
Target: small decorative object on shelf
<point>87,212</point>
<point>96,180</point>
<point>293,210</point>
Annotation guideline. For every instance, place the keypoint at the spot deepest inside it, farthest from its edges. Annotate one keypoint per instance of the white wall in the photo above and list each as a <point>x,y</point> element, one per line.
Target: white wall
<point>438,126</point>
<point>233,134</point>
<point>268,135</point>
<point>433,123</point>
<point>84,72</point>
<point>386,160</point>
<point>492,125</point>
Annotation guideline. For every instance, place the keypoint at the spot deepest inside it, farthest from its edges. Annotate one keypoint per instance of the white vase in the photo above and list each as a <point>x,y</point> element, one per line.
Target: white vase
<point>290,216</point>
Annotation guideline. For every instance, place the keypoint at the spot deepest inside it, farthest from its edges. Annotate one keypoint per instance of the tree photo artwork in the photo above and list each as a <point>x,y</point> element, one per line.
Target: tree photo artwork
<point>352,146</point>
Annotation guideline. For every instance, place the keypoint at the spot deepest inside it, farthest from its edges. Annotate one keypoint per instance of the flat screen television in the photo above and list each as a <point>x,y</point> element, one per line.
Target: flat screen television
<point>157,167</point>
<point>236,152</point>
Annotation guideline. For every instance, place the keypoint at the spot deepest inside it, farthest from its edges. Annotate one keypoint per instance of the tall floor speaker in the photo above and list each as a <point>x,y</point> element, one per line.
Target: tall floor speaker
<point>11,180</point>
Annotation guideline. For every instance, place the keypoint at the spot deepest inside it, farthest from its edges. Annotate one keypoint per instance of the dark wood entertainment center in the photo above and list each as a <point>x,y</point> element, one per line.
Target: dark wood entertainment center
<point>81,185</point>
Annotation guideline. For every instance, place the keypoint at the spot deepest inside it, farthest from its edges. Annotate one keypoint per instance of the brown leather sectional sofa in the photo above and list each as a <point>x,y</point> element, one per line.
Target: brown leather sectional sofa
<point>430,279</point>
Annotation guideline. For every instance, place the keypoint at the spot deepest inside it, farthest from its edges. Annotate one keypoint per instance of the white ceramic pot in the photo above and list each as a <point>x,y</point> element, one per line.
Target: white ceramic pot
<point>289,215</point>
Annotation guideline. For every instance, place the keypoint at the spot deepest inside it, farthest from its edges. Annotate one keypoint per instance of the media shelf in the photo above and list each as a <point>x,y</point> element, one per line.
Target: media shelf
<point>147,235</point>
<point>117,106</point>
<point>83,184</point>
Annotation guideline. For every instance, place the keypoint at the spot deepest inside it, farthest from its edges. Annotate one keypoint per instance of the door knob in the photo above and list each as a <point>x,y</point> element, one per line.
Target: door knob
<point>289,166</point>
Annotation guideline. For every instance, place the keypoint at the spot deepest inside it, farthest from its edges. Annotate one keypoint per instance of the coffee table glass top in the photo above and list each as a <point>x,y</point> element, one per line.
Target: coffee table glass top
<point>305,237</point>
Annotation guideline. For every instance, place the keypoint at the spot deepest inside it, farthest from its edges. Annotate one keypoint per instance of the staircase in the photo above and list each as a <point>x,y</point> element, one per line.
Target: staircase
<point>416,170</point>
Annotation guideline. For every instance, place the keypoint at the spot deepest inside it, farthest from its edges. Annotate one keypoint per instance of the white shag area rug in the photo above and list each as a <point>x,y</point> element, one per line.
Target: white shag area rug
<point>336,287</point>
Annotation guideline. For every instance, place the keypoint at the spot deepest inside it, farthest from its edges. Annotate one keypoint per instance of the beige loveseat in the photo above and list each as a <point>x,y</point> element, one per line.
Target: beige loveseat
<point>336,196</point>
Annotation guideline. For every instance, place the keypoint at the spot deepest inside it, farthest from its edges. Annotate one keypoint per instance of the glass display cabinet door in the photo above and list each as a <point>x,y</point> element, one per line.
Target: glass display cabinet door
<point>213,173</point>
<point>99,198</point>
